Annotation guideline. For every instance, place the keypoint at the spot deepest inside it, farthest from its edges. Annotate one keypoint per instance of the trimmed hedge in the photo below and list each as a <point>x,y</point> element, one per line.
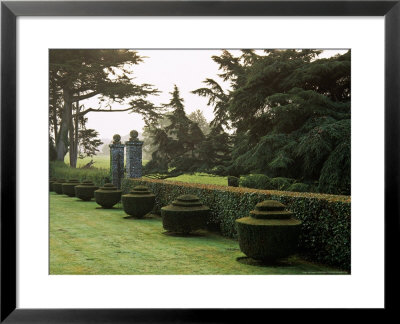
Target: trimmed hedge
<point>299,187</point>
<point>233,181</point>
<point>98,176</point>
<point>325,232</point>
<point>256,181</point>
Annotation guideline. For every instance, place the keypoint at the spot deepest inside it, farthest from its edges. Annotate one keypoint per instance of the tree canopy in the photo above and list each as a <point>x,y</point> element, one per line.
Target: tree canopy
<point>179,143</point>
<point>76,75</point>
<point>287,113</point>
<point>290,112</point>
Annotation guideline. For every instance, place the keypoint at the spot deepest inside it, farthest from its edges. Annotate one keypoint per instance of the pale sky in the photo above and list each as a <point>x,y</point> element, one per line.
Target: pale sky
<point>164,68</point>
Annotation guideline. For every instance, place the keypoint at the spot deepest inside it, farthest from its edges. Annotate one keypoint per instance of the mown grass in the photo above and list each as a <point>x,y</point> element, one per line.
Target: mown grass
<point>87,240</point>
<point>202,178</point>
<point>100,161</point>
<point>101,170</point>
<point>60,170</point>
<point>99,173</point>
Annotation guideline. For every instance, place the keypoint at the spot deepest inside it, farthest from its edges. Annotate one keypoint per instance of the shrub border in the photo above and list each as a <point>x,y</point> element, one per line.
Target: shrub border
<point>325,234</point>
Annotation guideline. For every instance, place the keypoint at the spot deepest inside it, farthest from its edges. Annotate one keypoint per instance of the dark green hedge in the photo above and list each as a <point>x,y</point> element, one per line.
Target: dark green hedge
<point>60,170</point>
<point>325,233</point>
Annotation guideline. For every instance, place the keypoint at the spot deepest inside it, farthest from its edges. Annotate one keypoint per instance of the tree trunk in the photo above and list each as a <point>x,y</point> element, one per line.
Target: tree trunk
<point>77,131</point>
<point>72,151</point>
<point>74,137</point>
<point>62,140</point>
<point>55,125</point>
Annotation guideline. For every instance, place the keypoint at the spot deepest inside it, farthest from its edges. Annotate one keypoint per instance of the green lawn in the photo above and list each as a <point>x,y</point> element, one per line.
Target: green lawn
<point>100,161</point>
<point>103,162</point>
<point>85,239</point>
<point>203,178</point>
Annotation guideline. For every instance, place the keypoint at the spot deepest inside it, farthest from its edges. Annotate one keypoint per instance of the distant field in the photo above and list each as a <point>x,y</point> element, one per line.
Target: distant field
<point>203,178</point>
<point>100,161</point>
<point>103,162</point>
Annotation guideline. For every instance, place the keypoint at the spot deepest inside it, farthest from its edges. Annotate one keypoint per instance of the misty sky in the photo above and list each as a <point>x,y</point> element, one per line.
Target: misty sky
<point>164,68</point>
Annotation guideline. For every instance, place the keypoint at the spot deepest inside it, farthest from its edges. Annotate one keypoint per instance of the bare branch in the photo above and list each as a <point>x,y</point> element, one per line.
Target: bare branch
<point>82,113</point>
<point>88,95</point>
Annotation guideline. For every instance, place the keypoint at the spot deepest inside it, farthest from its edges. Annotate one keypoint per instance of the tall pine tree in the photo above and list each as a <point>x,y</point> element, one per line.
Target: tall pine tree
<point>76,75</point>
<point>177,143</point>
<point>290,113</point>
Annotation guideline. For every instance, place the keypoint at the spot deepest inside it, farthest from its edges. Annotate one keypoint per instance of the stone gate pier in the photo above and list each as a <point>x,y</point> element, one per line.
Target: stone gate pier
<point>134,156</point>
<point>117,161</point>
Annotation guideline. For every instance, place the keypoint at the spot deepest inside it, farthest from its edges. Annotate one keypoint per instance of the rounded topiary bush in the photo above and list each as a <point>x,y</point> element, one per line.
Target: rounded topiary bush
<point>299,187</point>
<point>57,186</point>
<point>68,188</point>
<point>184,215</point>
<point>256,181</point>
<point>51,181</point>
<point>281,183</point>
<point>85,191</point>
<point>270,233</point>
<point>233,181</point>
<point>138,202</point>
<point>107,196</point>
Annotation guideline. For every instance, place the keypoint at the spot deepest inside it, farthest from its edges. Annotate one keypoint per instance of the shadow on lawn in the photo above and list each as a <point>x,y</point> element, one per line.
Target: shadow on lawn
<point>188,235</point>
<point>258,263</point>
<point>146,217</point>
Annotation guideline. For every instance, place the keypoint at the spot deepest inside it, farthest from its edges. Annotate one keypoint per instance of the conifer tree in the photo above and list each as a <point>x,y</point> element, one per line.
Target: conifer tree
<point>76,75</point>
<point>177,143</point>
<point>198,118</point>
<point>290,115</point>
<point>214,151</point>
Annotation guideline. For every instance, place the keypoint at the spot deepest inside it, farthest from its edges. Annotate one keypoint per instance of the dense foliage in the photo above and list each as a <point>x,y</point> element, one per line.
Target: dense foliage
<point>325,231</point>
<point>77,75</point>
<point>179,143</point>
<point>60,170</point>
<point>291,114</point>
<point>262,181</point>
<point>287,115</point>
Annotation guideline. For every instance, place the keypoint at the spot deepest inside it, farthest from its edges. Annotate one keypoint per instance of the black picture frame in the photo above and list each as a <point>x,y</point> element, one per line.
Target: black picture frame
<point>11,10</point>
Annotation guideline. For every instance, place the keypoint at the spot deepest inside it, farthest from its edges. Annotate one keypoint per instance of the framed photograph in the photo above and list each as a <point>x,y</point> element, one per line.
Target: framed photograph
<point>301,95</point>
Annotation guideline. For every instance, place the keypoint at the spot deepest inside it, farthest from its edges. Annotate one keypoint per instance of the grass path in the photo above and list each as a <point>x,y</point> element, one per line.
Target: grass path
<point>202,178</point>
<point>85,239</point>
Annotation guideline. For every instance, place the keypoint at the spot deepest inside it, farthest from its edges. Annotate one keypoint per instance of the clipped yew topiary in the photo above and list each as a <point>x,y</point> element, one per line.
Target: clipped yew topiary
<point>68,188</point>
<point>184,215</point>
<point>270,233</point>
<point>233,181</point>
<point>138,202</point>
<point>107,196</point>
<point>57,186</point>
<point>325,232</point>
<point>51,181</point>
<point>256,181</point>
<point>85,191</point>
<point>299,187</point>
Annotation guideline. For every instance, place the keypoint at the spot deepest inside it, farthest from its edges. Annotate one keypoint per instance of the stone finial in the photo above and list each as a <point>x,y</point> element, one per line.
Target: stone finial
<point>116,139</point>
<point>133,136</point>
<point>134,156</point>
<point>117,160</point>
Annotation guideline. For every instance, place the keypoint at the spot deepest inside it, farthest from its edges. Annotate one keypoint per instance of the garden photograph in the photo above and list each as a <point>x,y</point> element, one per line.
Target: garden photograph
<point>199,161</point>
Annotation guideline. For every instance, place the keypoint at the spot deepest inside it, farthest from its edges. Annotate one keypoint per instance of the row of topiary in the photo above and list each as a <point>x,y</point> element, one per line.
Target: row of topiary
<point>262,181</point>
<point>185,214</point>
<point>326,222</point>
<point>270,233</point>
<point>106,196</point>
